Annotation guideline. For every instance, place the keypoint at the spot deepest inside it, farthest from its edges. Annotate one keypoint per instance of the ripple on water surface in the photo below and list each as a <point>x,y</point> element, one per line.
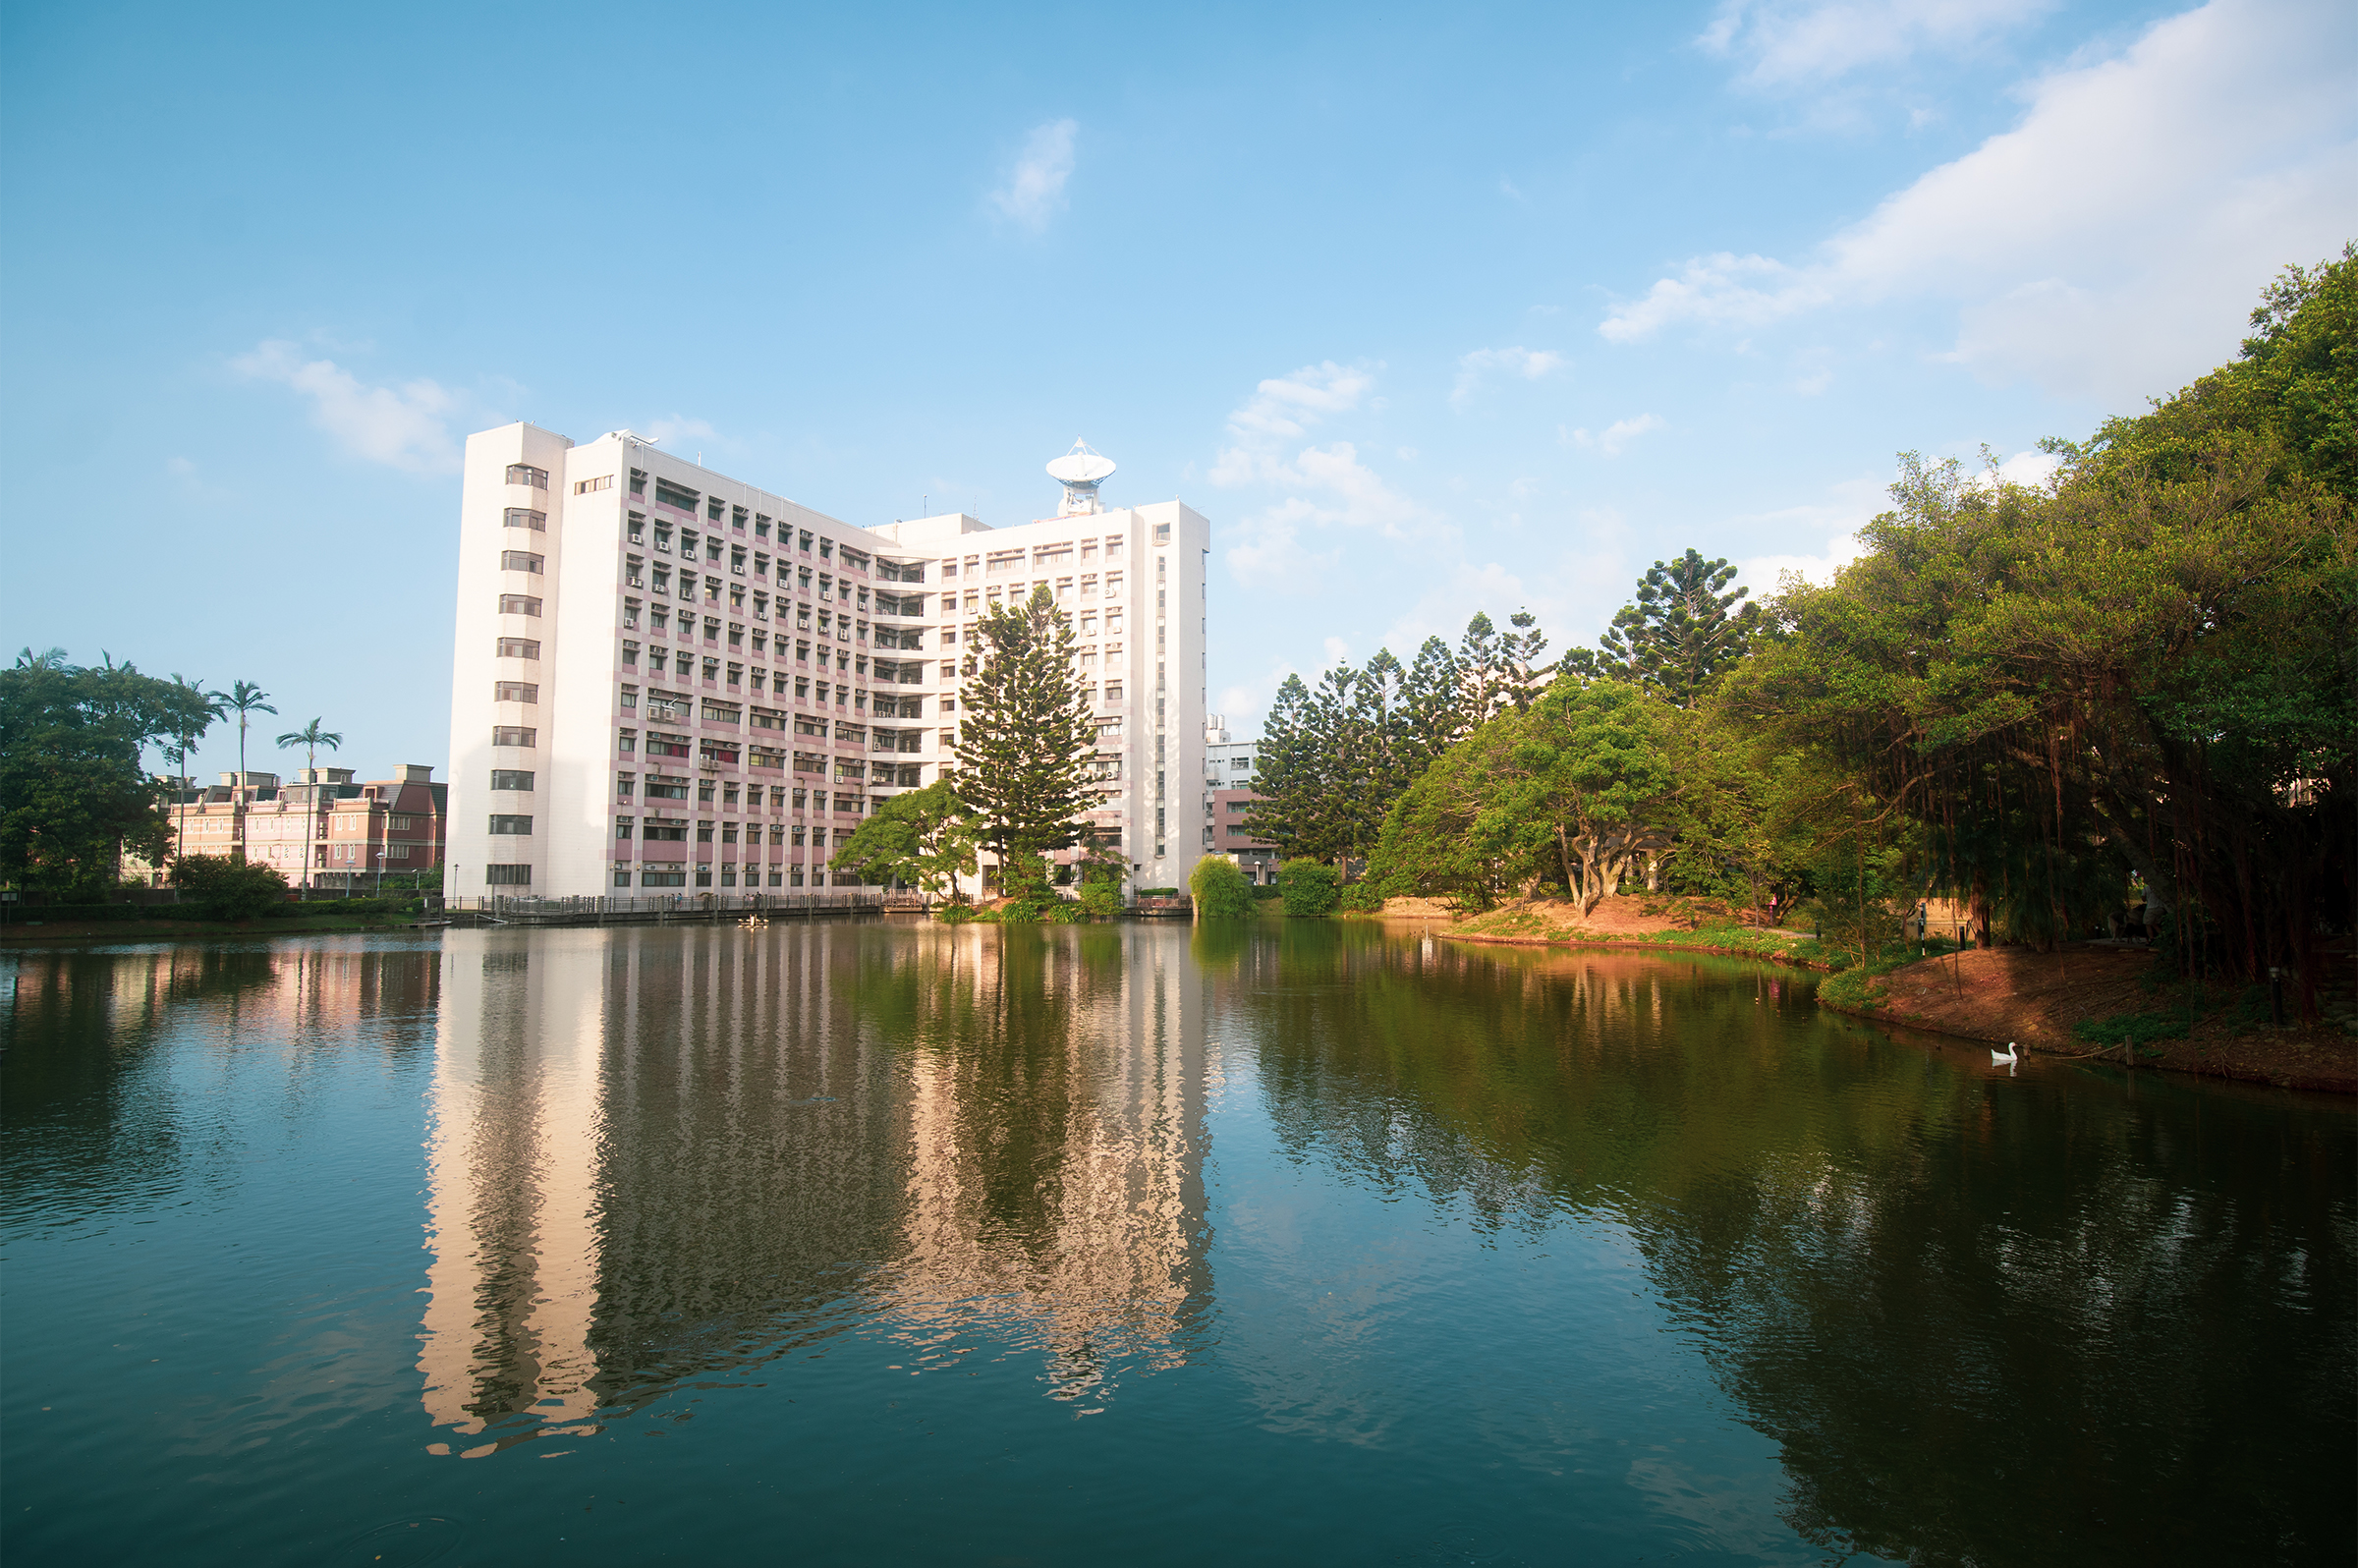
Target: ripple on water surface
<point>1136,1244</point>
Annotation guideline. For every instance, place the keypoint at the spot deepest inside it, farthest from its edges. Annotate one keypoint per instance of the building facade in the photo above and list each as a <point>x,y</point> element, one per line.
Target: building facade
<point>666,679</point>
<point>1229,774</point>
<point>326,829</point>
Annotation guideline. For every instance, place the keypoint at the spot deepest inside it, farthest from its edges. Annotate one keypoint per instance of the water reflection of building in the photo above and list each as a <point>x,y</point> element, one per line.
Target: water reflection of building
<point>1055,1187</point>
<point>511,1176</point>
<point>660,1153</point>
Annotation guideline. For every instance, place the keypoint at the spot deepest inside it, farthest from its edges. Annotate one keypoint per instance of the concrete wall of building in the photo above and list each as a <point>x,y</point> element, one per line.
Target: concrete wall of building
<point>484,496</point>
<point>580,680</point>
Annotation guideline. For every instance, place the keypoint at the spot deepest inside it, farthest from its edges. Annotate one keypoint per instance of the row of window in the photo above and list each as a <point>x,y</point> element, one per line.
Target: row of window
<point>801,577</point>
<point>1042,557</point>
<point>780,795</point>
<point>681,498</point>
<point>785,877</point>
<point>782,834</point>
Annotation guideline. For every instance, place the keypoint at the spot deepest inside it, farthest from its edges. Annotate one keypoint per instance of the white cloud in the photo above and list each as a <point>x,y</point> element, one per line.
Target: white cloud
<point>1034,189</point>
<point>1614,436</point>
<point>1763,573</point>
<point>2110,246</point>
<point>1315,488</point>
<point>1723,290</point>
<point>1472,368</point>
<point>407,426</point>
<point>1286,407</point>
<point>1849,506</point>
<point>1792,46</point>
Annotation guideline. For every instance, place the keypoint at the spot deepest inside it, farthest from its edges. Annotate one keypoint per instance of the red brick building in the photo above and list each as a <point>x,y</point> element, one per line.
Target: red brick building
<point>324,830</point>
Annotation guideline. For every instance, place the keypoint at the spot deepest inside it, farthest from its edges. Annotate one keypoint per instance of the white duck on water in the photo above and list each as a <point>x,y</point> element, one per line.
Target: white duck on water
<point>2009,1055</point>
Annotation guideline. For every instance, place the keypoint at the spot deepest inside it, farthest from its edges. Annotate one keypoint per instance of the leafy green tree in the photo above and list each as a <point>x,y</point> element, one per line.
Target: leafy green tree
<point>1101,896</point>
<point>1220,890</point>
<point>1431,719</point>
<point>925,838</point>
<point>2145,665</point>
<point>220,888</point>
<point>1582,784</point>
<point>1679,635</point>
<point>1027,739</point>
<point>73,792</point>
<point>1308,889</point>
<point>244,700</point>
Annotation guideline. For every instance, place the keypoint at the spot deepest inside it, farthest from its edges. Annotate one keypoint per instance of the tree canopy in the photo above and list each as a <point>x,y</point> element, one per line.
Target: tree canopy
<point>73,791</point>
<point>1678,636</point>
<point>1334,757</point>
<point>925,838</point>
<point>2134,682</point>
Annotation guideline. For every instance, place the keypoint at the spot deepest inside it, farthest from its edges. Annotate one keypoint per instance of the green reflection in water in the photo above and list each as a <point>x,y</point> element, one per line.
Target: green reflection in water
<point>1983,1315</point>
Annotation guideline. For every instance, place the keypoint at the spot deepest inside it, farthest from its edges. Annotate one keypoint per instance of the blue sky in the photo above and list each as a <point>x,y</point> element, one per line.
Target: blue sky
<point>1430,312</point>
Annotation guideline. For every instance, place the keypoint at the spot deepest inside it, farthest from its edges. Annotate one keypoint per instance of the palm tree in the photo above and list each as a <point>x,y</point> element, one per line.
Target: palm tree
<point>244,700</point>
<point>310,738</point>
<point>210,706</point>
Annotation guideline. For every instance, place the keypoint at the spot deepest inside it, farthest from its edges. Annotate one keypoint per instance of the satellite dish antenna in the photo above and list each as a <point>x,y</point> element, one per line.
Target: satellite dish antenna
<point>1079,472</point>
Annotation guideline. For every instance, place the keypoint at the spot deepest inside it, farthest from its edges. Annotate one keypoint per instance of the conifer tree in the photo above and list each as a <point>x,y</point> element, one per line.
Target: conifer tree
<point>1678,636</point>
<point>1285,771</point>
<point>1026,740</point>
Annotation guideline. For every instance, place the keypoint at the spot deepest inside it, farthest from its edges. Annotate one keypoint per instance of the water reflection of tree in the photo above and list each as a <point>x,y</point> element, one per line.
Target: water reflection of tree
<point>1988,1321</point>
<point>89,1040</point>
<point>944,1134</point>
<point>1056,1181</point>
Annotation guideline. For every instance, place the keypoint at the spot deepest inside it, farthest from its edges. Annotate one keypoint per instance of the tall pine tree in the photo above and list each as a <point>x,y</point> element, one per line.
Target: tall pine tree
<point>1679,635</point>
<point>1336,756</point>
<point>1026,740</point>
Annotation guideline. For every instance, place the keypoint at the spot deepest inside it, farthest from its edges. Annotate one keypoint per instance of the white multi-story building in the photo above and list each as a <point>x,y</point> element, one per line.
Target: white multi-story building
<point>667,679</point>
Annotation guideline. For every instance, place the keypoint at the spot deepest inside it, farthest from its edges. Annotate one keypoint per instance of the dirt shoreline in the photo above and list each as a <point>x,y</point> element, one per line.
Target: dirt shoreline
<point>1992,996</point>
<point>2003,994</point>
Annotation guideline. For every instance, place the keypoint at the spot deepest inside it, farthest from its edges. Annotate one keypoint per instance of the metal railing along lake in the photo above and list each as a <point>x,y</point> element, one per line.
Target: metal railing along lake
<point>682,908</point>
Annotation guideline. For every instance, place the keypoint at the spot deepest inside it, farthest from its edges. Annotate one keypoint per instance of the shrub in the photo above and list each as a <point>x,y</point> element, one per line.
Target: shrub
<point>1220,890</point>
<point>1310,888</point>
<point>222,889</point>
<point>1363,897</point>
<point>1102,898</point>
<point>1029,897</point>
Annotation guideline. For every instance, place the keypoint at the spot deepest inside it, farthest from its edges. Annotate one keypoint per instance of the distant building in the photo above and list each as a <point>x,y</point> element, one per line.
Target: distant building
<point>1230,770</point>
<point>323,830</point>
<point>669,679</point>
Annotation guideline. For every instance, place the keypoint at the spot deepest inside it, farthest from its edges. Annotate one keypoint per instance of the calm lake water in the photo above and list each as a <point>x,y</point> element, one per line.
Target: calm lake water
<point>859,1243</point>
